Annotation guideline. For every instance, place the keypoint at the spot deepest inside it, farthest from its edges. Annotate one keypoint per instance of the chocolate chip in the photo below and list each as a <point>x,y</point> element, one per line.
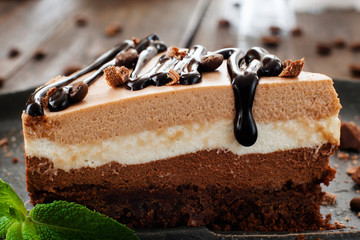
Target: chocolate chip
<point>323,48</point>
<point>210,63</point>
<point>355,46</point>
<point>356,176</point>
<point>355,69</point>
<point>13,52</point>
<point>81,21</point>
<point>15,160</point>
<point>270,41</point>
<point>39,55</point>
<point>113,29</point>
<point>127,59</point>
<point>223,23</point>
<point>355,204</point>
<point>70,70</point>
<point>275,30</point>
<point>297,31</point>
<point>78,92</point>
<point>339,42</point>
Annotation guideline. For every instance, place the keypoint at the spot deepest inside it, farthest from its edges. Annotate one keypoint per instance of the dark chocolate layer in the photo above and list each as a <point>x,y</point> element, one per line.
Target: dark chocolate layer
<point>276,191</point>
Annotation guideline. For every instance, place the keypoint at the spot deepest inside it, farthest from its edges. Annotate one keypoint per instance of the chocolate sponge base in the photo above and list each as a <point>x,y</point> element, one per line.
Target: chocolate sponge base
<point>257,192</point>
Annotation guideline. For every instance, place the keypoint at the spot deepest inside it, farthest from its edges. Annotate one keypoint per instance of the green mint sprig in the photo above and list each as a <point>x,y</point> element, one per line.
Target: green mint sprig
<point>59,220</point>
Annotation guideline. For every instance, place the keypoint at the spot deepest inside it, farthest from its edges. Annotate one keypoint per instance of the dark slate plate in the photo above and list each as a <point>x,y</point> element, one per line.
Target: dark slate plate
<point>11,106</point>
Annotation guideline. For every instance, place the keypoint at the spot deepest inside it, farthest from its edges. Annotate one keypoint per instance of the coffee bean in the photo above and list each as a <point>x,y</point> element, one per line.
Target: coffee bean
<point>127,59</point>
<point>39,55</point>
<point>323,48</point>
<point>223,23</point>
<point>339,42</point>
<point>78,92</point>
<point>13,52</point>
<point>210,63</point>
<point>355,204</point>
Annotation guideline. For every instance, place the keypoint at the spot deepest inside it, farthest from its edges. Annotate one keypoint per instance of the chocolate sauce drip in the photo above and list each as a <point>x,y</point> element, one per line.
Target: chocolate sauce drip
<point>159,74</point>
<point>59,100</point>
<point>245,70</point>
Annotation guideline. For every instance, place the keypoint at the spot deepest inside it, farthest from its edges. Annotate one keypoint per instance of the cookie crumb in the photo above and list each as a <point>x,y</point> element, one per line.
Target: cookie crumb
<point>356,177</point>
<point>351,170</point>
<point>45,100</point>
<point>292,68</point>
<point>350,136</point>
<point>343,155</point>
<point>354,157</point>
<point>270,41</point>
<point>116,76</point>
<point>329,199</point>
<point>175,76</point>
<point>135,40</point>
<point>339,225</point>
<point>174,52</point>
<point>113,29</point>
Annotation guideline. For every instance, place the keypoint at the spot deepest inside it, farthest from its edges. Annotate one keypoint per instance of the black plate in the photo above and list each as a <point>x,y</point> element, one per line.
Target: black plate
<point>11,106</point>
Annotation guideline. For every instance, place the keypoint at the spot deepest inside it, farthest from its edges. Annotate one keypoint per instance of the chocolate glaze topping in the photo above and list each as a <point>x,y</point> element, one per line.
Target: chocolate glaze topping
<point>244,70</point>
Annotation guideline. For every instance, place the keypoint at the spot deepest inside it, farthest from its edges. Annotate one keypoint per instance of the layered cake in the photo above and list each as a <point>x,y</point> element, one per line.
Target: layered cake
<point>162,137</point>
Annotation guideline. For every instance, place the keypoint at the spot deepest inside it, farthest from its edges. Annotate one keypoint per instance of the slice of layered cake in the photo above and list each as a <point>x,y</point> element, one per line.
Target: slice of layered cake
<point>158,137</point>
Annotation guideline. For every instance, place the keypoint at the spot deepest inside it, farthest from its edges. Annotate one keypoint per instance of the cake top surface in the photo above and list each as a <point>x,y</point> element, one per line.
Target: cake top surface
<point>101,93</point>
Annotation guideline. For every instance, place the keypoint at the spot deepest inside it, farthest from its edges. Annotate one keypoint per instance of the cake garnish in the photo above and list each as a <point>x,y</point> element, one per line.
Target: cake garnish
<point>116,76</point>
<point>59,100</point>
<point>211,62</point>
<point>56,220</point>
<point>174,76</point>
<point>292,68</point>
<point>127,59</point>
<point>174,52</point>
<point>78,92</point>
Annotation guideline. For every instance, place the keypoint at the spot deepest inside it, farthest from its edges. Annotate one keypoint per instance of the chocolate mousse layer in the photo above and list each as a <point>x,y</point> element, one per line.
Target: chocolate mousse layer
<point>276,191</point>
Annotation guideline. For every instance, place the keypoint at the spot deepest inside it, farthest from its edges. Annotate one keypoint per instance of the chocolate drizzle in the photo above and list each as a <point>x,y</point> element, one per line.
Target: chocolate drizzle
<point>159,74</point>
<point>244,70</point>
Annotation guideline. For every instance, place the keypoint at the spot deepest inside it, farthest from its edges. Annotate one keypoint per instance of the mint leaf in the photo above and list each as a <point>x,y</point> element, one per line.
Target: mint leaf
<point>14,232</point>
<point>12,212</point>
<point>10,198</point>
<point>5,224</point>
<point>59,220</point>
<point>65,220</point>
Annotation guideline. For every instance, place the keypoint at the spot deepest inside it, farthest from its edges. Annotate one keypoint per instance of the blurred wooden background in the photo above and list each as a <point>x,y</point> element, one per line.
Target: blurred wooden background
<point>52,27</point>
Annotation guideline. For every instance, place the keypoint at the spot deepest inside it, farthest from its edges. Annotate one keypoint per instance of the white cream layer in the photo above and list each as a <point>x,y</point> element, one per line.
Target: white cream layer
<point>150,146</point>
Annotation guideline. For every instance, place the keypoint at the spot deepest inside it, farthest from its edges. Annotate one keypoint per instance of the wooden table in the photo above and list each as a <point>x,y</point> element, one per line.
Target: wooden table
<point>51,26</point>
